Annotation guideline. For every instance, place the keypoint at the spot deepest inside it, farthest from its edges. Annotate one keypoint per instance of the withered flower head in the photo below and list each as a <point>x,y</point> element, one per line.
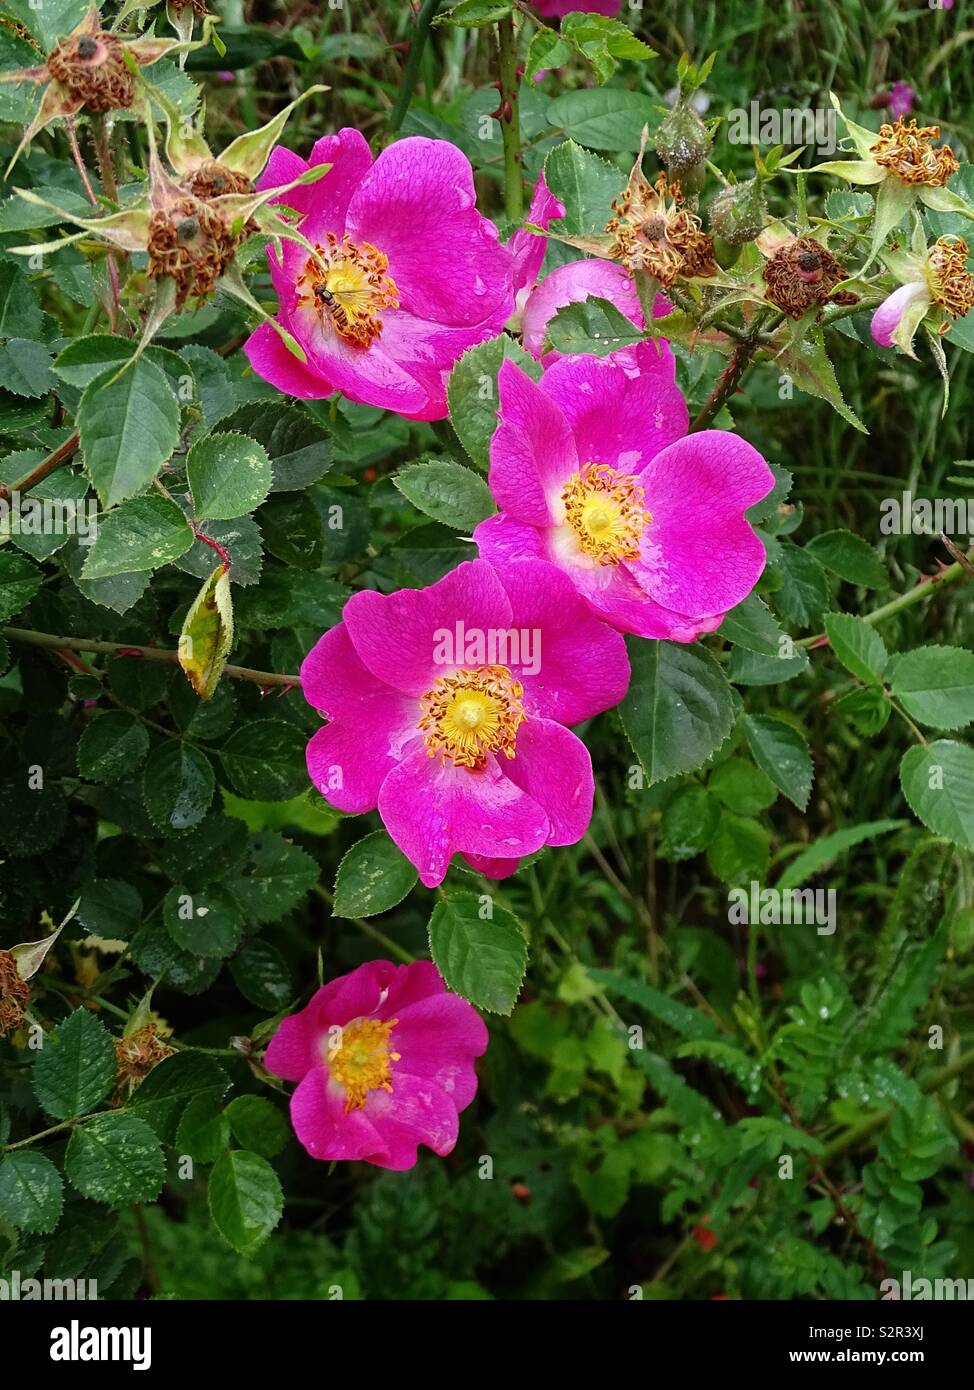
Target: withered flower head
<point>951,283</point>
<point>14,993</point>
<point>909,153</point>
<point>191,242</point>
<point>135,1056</point>
<point>802,273</point>
<point>93,70</point>
<point>211,179</point>
<point>87,70</point>
<point>654,232</point>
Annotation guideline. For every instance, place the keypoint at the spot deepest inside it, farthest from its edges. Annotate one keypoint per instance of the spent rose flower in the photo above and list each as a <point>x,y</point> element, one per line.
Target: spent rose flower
<point>449,706</point>
<point>592,472</point>
<point>384,1061</point>
<point>407,275</point>
<point>936,280</point>
<point>581,280</point>
<point>902,162</point>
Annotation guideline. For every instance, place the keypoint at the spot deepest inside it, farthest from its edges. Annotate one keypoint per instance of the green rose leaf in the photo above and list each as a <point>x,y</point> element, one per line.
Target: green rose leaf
<point>480,950</point>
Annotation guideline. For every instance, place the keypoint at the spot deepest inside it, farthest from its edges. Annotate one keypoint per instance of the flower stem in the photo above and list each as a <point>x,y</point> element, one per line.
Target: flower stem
<point>89,644</point>
<point>60,455</point>
<point>949,575</point>
<point>413,63</point>
<point>727,383</point>
<point>510,120</point>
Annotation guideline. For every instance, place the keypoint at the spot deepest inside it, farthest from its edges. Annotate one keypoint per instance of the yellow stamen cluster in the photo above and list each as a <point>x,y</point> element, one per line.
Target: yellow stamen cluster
<point>652,231</point>
<point>352,291</point>
<point>908,152</point>
<point>606,511</point>
<point>951,283</point>
<point>362,1060</point>
<point>472,714</point>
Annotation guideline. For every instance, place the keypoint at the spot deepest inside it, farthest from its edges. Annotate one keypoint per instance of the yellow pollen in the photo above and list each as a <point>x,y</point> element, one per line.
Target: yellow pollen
<point>909,153</point>
<point>951,283</point>
<point>471,714</point>
<point>350,294</point>
<point>606,511</point>
<point>362,1060</point>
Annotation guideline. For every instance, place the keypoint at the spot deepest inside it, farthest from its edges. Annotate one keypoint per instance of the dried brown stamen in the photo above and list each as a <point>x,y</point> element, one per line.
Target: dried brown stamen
<point>192,243</point>
<point>92,67</point>
<point>803,273</point>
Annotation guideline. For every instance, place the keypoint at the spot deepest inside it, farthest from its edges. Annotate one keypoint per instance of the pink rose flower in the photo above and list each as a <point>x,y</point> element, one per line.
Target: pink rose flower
<point>384,1061</point>
<point>577,281</point>
<point>557,9</point>
<point>449,707</point>
<point>415,277</point>
<point>528,248</point>
<point>592,472</point>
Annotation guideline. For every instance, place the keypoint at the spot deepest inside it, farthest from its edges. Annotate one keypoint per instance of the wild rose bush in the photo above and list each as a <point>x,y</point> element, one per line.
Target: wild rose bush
<point>479,539</point>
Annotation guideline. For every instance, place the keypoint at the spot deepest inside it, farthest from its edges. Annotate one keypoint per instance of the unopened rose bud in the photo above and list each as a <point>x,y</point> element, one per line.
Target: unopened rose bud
<point>681,141</point>
<point>738,213</point>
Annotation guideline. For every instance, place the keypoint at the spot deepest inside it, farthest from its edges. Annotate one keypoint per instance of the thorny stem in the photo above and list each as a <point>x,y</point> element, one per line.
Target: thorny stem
<point>948,575</point>
<point>510,120</point>
<point>60,455</point>
<point>88,644</point>
<point>727,383</point>
<point>223,553</point>
<point>413,63</point>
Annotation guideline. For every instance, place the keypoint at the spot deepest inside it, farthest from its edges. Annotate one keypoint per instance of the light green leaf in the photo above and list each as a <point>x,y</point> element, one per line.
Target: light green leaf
<point>229,475</point>
<point>938,783</point>
<point>935,685</point>
<point>481,957</point>
<point>679,709</point>
<point>129,427</point>
<point>858,646</point>
<point>446,491</point>
<point>144,533</point>
<point>373,876</point>
<point>245,1200</point>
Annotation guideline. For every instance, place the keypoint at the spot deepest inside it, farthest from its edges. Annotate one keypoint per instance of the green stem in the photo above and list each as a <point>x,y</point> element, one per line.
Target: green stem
<point>727,383</point>
<point>43,1134</point>
<point>949,575</point>
<point>90,644</point>
<point>414,62</point>
<point>386,942</point>
<point>510,120</point>
<point>54,460</point>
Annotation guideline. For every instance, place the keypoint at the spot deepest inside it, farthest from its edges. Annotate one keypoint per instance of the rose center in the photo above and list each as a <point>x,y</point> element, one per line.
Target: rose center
<point>362,1061</point>
<point>606,510</point>
<point>472,714</point>
<point>348,288</point>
